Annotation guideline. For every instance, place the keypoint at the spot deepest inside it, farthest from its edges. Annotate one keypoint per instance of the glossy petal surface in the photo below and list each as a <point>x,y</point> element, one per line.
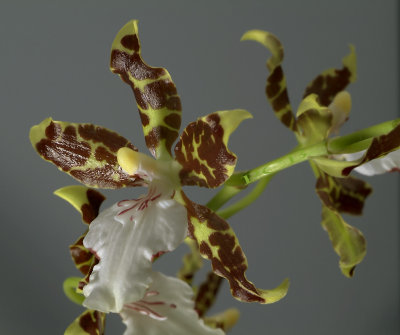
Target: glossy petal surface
<point>203,148</point>
<point>218,243</point>
<point>276,89</point>
<point>126,238</point>
<point>88,323</point>
<point>167,308</point>
<point>155,93</point>
<point>84,151</point>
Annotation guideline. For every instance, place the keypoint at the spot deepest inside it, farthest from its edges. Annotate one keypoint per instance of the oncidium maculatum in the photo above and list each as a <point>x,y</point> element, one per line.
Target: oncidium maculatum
<point>127,237</point>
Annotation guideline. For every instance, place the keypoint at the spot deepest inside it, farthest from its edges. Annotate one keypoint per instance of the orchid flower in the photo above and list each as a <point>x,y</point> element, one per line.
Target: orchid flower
<point>129,235</point>
<point>167,305</point>
<point>324,108</point>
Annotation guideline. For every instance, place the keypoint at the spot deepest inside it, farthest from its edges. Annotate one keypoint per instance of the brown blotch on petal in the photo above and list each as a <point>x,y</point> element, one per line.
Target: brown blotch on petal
<point>53,131</point>
<point>157,134</point>
<point>158,93</point>
<point>91,211</point>
<point>64,151</point>
<point>327,86</point>
<point>144,118</point>
<point>102,154</point>
<point>103,178</point>
<point>90,326</point>
<point>173,120</point>
<point>110,139</point>
<point>130,42</point>
<point>212,149</point>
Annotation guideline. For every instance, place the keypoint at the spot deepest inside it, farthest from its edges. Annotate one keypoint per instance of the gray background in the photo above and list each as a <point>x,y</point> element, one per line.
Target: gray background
<point>54,62</point>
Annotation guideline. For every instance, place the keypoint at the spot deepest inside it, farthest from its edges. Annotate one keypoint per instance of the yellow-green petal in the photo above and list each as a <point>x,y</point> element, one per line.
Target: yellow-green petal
<point>85,151</point>
<point>155,93</point>
<point>218,243</point>
<point>347,241</point>
<point>276,89</point>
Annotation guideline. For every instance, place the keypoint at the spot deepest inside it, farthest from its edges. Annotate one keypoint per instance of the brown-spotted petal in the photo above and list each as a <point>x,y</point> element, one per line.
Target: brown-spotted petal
<point>89,322</point>
<point>345,195</point>
<point>218,243</point>
<point>87,202</point>
<point>203,151</point>
<point>85,151</point>
<point>155,93</point>
<point>347,241</point>
<point>275,89</point>
<point>332,81</point>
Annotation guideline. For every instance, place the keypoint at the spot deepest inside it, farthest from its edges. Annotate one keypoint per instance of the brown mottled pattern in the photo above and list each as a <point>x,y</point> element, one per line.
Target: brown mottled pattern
<point>156,95</point>
<point>231,261</point>
<point>91,210</point>
<point>327,86</point>
<point>153,138</point>
<point>92,322</point>
<point>112,140</point>
<point>80,255</point>
<point>207,293</point>
<point>379,147</point>
<point>342,194</point>
<point>63,149</point>
<point>208,137</point>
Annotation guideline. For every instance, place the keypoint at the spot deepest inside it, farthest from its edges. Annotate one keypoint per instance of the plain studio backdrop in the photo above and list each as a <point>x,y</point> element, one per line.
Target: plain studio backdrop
<point>54,62</point>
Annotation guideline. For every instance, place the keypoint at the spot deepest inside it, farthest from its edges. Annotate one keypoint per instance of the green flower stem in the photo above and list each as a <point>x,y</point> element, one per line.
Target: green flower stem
<point>223,196</point>
<point>296,156</point>
<point>246,200</point>
<point>69,286</point>
<point>356,141</point>
<point>360,140</point>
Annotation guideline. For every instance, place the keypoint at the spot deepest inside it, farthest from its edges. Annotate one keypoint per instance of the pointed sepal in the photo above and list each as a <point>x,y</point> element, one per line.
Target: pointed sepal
<point>332,81</point>
<point>347,241</point>
<point>203,151</point>
<point>85,151</point>
<point>276,89</point>
<point>89,322</point>
<point>218,243</point>
<point>85,200</point>
<point>155,93</point>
